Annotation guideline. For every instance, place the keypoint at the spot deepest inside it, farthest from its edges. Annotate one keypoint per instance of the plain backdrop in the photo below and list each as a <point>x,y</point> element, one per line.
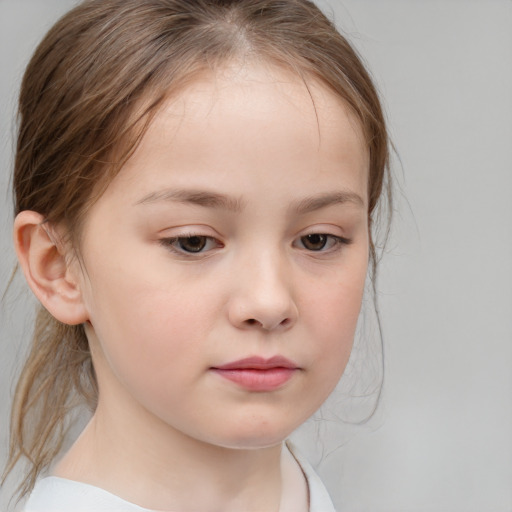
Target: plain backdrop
<point>442,437</point>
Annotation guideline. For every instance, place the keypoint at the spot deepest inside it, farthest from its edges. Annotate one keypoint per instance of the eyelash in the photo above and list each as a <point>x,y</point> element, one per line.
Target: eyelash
<point>336,242</point>
<point>173,244</point>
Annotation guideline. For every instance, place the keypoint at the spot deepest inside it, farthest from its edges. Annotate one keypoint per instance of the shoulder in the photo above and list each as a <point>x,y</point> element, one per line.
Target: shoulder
<point>319,499</point>
<point>53,494</point>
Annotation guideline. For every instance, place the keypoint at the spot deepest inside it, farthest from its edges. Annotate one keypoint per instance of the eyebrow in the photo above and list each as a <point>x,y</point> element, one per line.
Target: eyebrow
<point>317,202</point>
<point>215,200</point>
<point>195,197</point>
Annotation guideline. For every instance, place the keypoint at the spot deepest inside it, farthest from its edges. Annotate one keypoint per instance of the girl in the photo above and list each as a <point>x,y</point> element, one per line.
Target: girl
<point>195,188</point>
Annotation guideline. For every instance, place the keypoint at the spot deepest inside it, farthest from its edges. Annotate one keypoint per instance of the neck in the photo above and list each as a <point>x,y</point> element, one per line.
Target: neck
<point>158,467</point>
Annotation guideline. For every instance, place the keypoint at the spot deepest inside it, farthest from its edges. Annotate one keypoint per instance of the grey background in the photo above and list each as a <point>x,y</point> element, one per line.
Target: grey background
<point>442,437</point>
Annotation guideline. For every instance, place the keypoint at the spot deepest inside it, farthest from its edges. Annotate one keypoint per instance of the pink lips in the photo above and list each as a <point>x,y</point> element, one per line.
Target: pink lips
<point>257,373</point>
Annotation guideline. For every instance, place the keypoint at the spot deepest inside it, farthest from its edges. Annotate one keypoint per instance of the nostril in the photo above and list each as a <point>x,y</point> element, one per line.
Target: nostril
<point>253,322</point>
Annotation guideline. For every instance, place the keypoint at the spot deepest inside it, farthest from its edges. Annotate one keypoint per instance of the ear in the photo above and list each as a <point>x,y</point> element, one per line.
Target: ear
<point>43,260</point>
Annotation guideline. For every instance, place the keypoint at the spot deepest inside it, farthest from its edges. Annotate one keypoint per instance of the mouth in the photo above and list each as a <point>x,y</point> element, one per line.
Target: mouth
<point>257,373</point>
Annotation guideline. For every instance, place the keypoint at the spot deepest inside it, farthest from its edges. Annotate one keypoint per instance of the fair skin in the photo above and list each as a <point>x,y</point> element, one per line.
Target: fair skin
<point>237,229</point>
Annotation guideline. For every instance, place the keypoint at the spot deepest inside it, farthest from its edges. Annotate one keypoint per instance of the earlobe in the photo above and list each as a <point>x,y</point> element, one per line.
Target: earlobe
<point>43,261</point>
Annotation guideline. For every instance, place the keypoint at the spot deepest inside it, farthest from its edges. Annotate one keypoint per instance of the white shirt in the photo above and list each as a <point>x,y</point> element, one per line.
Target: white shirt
<point>55,494</point>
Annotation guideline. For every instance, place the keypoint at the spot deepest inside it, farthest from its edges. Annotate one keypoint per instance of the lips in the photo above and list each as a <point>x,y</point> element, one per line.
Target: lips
<point>257,373</point>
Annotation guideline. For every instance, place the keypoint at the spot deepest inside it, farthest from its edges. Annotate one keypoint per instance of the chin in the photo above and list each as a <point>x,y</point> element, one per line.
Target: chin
<point>254,436</point>
<point>252,443</point>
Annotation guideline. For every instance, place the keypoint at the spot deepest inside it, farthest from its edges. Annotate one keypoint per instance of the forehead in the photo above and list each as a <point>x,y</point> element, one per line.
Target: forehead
<point>257,88</point>
<point>249,116</point>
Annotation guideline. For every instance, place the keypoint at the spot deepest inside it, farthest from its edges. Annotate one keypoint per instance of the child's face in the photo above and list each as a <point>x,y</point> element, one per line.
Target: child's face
<point>225,238</point>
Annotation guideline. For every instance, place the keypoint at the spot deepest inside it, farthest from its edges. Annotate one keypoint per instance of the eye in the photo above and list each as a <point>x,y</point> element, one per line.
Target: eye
<point>320,242</point>
<point>193,244</point>
<point>314,242</point>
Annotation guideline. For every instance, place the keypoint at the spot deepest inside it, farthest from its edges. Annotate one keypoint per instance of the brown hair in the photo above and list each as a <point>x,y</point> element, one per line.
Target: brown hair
<point>87,97</point>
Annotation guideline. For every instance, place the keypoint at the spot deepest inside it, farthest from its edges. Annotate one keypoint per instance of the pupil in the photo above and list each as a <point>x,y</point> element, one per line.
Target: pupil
<point>314,242</point>
<point>193,243</point>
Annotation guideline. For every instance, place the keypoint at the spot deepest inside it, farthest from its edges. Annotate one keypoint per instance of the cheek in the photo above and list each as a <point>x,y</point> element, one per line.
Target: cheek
<point>148,327</point>
<point>335,324</point>
<point>332,314</point>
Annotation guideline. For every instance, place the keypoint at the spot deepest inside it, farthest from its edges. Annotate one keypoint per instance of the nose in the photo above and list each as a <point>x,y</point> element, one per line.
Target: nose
<point>263,296</point>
